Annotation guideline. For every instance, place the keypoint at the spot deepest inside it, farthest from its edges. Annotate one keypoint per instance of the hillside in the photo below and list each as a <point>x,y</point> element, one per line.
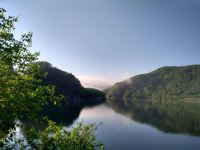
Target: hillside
<point>67,84</point>
<point>163,83</point>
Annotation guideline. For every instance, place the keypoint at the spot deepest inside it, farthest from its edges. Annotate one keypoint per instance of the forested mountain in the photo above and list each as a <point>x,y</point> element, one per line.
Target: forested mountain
<point>67,84</point>
<point>163,83</point>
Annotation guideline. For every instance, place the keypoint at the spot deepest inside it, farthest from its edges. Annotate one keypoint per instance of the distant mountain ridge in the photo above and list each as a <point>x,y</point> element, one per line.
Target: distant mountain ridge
<point>163,83</point>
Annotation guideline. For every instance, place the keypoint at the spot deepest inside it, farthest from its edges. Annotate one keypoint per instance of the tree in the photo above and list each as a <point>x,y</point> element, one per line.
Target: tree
<point>81,137</point>
<point>22,94</point>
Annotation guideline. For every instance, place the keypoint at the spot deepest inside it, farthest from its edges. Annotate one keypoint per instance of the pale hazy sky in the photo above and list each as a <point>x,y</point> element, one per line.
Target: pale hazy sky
<point>104,41</point>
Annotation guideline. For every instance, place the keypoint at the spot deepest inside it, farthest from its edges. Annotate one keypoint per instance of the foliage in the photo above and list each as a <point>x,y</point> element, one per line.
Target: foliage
<point>56,136</point>
<point>20,91</point>
<point>21,94</point>
<point>164,83</point>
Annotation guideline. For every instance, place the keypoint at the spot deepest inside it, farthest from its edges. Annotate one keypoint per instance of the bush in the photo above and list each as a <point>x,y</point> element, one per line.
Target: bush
<point>80,137</point>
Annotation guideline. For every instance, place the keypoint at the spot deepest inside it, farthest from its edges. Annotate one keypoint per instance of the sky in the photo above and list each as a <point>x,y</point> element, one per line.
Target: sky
<point>106,41</point>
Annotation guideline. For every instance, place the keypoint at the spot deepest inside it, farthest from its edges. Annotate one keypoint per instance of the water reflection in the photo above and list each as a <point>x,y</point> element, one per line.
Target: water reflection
<point>129,125</point>
<point>136,124</point>
<point>167,116</point>
<point>64,114</point>
<point>175,117</point>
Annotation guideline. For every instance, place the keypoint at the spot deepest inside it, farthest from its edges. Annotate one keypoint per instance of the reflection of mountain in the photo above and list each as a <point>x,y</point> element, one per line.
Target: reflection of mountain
<point>167,116</point>
<point>67,114</point>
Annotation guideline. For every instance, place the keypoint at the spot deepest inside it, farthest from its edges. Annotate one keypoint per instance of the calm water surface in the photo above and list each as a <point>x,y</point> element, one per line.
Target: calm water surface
<point>120,131</point>
<point>133,125</point>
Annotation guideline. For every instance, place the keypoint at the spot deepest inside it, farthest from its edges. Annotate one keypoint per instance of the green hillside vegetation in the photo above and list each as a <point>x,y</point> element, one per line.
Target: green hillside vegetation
<point>65,83</point>
<point>164,83</point>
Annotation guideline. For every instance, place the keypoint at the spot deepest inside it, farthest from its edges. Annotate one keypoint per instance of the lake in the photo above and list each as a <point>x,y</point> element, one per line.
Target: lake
<point>142,125</point>
<point>119,130</point>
